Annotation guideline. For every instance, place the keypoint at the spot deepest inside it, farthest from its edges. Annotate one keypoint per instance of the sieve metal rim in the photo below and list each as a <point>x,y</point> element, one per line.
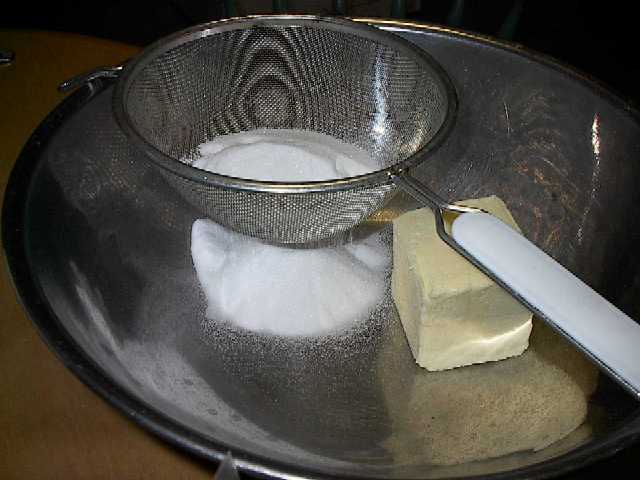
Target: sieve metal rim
<point>376,178</point>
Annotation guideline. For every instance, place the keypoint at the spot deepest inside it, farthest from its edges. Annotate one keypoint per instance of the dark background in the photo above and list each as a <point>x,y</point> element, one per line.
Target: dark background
<point>596,37</point>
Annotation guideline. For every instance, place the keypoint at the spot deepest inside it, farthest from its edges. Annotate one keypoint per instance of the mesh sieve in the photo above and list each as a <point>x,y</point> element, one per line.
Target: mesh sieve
<point>361,85</point>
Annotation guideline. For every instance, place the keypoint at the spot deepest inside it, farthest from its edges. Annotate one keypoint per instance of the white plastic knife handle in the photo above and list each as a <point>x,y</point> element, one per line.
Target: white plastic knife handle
<point>609,336</point>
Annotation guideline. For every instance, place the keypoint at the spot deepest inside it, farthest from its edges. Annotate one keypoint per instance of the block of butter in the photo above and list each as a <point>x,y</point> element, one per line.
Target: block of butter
<point>453,315</point>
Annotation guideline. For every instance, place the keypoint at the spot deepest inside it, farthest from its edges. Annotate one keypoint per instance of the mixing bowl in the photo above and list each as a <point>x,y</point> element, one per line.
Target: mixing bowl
<point>98,246</point>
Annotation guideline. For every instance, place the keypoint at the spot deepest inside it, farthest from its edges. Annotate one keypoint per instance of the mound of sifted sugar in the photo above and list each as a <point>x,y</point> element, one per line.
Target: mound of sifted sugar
<point>287,291</point>
<point>282,155</point>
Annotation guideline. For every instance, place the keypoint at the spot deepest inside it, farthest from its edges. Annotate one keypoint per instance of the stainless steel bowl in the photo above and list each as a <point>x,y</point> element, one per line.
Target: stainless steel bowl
<point>99,251</point>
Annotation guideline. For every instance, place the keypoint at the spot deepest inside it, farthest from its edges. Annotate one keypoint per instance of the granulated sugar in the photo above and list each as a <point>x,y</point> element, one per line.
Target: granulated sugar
<point>287,291</point>
<point>282,155</point>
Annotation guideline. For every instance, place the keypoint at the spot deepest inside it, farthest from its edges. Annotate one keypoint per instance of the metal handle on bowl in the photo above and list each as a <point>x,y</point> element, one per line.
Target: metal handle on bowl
<point>87,77</point>
<point>7,57</point>
<point>227,469</point>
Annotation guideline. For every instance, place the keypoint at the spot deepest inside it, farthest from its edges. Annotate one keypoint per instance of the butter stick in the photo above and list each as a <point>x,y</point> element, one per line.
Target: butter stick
<point>453,315</point>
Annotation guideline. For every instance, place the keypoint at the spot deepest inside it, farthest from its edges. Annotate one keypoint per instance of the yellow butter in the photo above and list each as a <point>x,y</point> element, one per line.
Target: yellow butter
<point>453,315</point>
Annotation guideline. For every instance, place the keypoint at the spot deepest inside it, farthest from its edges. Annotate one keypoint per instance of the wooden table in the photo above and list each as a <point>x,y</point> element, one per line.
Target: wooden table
<point>51,425</point>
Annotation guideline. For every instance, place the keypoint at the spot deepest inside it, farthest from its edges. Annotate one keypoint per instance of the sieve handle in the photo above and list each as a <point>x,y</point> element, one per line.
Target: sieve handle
<point>87,77</point>
<point>604,333</point>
